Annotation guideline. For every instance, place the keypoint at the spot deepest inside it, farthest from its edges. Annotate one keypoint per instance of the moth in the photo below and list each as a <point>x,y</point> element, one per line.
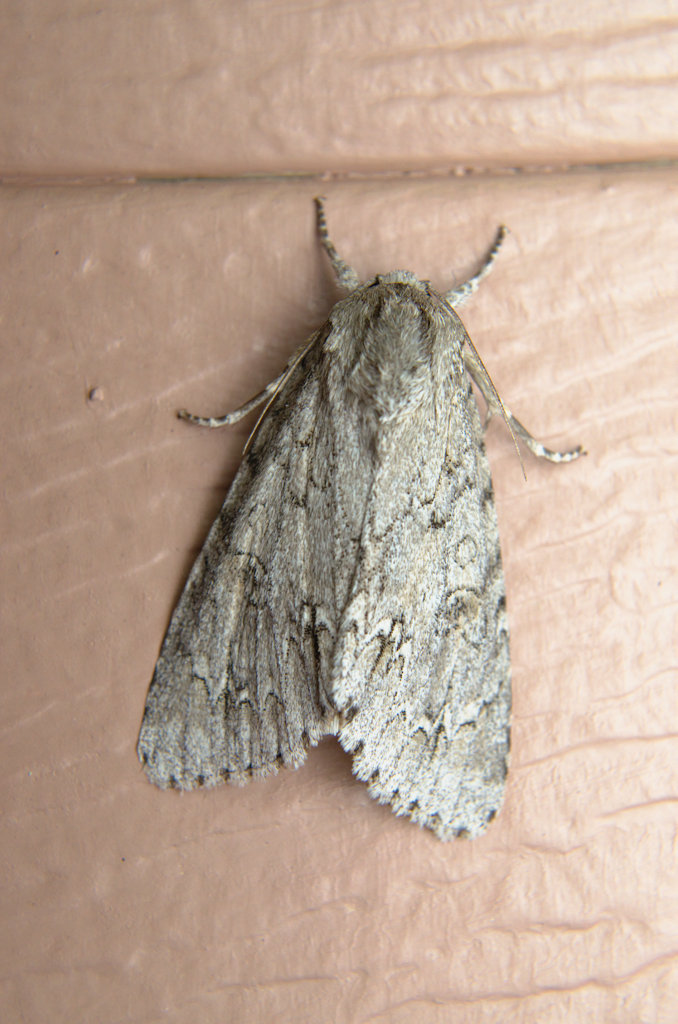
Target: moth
<point>352,583</point>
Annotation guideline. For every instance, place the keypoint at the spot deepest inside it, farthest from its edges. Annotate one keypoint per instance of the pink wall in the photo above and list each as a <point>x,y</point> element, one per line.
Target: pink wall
<point>300,899</point>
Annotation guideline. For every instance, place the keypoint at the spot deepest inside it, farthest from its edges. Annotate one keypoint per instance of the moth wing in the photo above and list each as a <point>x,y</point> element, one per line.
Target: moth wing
<point>237,688</point>
<point>421,670</point>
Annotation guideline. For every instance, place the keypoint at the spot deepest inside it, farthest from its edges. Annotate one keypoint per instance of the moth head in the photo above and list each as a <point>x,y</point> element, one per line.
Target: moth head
<point>400,277</point>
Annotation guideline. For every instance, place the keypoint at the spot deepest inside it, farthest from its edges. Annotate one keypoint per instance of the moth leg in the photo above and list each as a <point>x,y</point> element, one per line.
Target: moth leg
<point>481,378</point>
<point>457,296</point>
<point>345,275</point>
<point>232,417</point>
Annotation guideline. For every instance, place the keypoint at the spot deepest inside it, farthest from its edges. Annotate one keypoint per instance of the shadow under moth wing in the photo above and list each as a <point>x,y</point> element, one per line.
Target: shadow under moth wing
<point>352,583</point>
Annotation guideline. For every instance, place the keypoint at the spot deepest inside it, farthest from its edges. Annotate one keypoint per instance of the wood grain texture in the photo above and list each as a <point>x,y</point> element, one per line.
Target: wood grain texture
<point>299,898</point>
<point>280,87</point>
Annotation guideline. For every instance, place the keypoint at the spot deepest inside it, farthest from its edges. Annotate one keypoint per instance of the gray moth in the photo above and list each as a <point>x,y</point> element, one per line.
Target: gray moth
<point>352,583</point>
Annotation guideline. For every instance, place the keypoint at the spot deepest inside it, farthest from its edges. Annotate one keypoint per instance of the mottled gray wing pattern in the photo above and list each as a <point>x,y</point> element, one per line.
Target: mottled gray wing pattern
<point>238,688</point>
<point>421,669</point>
<point>352,582</point>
